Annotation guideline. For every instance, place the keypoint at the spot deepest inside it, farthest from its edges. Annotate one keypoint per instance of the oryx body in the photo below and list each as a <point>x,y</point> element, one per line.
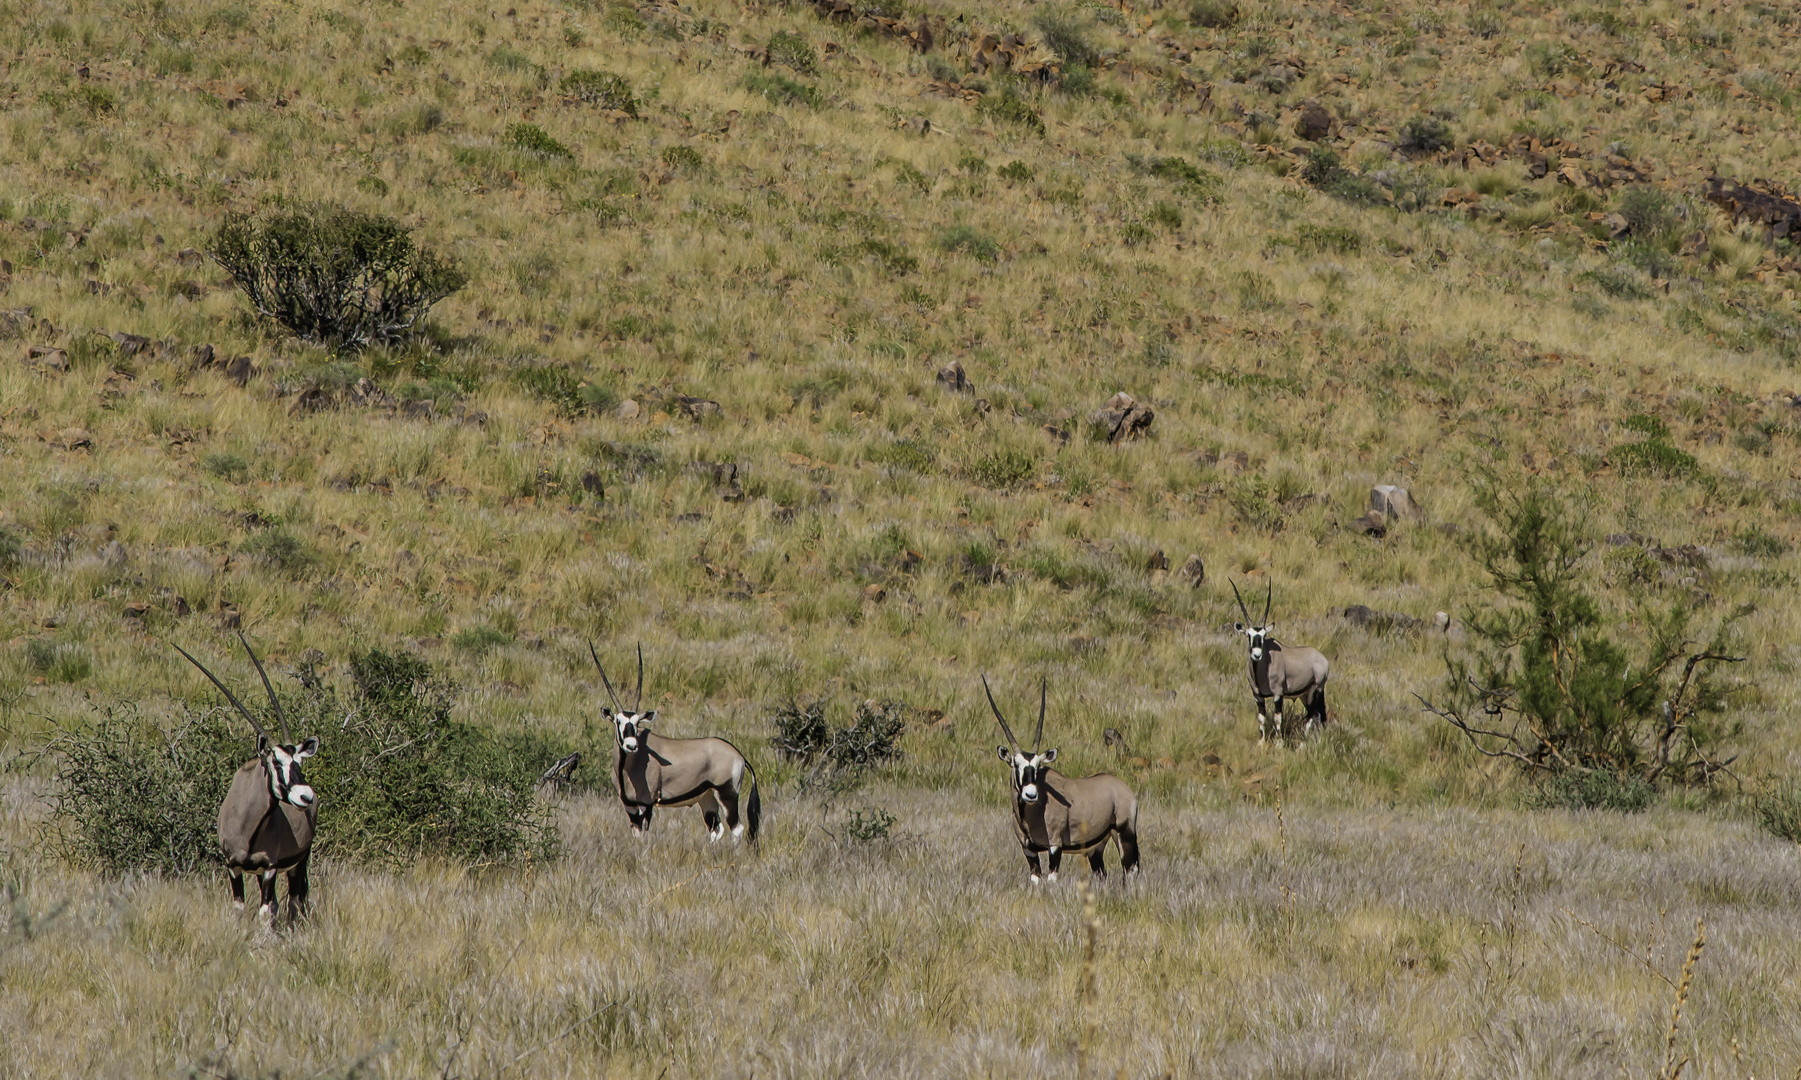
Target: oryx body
<point>267,819</point>
<point>1278,672</point>
<point>651,770</point>
<point>1054,814</point>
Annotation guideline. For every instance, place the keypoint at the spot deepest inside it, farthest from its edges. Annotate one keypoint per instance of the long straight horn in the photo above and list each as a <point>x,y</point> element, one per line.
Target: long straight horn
<point>270,690</point>
<point>1241,607</point>
<point>1269,590</point>
<point>604,681</point>
<point>638,698</point>
<point>1043,689</point>
<point>1011,741</point>
<point>229,696</point>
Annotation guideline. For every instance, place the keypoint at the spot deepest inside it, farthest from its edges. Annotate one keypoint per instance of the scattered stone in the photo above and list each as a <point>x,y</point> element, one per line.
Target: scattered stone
<point>137,609</point>
<point>1616,226</point>
<point>1780,215</point>
<point>628,410</point>
<point>1537,165</point>
<point>1193,571</point>
<point>73,438</point>
<point>1111,737</point>
<point>1442,623</point>
<point>1314,122</point>
<point>1123,417</point>
<point>1380,622</point>
<point>188,255</point>
<point>1394,503</point>
<point>422,409</point>
<point>49,357</point>
<point>312,399</point>
<point>952,378</point>
<point>129,344</point>
<point>874,593</point>
<point>918,125</point>
<point>1371,524</point>
<point>592,485</point>
<point>1157,561</point>
<point>697,408</point>
<point>239,369</point>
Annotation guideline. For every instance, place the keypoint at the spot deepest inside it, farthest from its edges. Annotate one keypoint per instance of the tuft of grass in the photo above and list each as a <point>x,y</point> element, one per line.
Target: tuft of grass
<point>532,139</point>
<point>58,661</point>
<point>602,88</point>
<point>1653,457</point>
<point>1600,789</point>
<point>1777,810</point>
<point>1015,172</point>
<point>792,50</point>
<point>969,241</point>
<point>281,550</point>
<point>227,466</point>
<point>782,90</point>
<point>1009,108</point>
<point>1002,469</point>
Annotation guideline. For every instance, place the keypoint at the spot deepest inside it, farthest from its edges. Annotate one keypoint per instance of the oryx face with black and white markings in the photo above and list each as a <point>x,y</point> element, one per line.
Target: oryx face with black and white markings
<point>1028,772</point>
<point>629,728</point>
<point>287,784</point>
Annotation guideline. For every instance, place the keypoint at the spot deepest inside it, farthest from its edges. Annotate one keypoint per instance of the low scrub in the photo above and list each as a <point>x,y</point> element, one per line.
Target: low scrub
<point>1777,810</point>
<point>334,275</point>
<point>602,88</point>
<point>804,734</point>
<point>784,91</point>
<point>398,779</point>
<point>1010,109</point>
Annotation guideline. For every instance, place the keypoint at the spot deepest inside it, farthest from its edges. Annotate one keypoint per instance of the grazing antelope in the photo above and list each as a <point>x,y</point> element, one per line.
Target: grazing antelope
<point>1056,813</point>
<point>1282,673</point>
<point>651,770</point>
<point>266,821</point>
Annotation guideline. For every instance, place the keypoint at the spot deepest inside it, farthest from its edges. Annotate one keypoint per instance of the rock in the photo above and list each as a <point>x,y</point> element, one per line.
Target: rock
<point>1314,122</point>
<point>422,409</point>
<point>1371,524</point>
<point>1695,244</point>
<point>918,125</point>
<point>46,356</point>
<point>1123,417</point>
<point>1157,561</point>
<point>73,438</point>
<point>239,369</point>
<point>1394,503</point>
<point>137,609</point>
<point>592,485</point>
<point>1441,622</point>
<point>1380,622</point>
<point>1616,226</point>
<point>1572,174</point>
<point>697,408</point>
<point>180,606</point>
<point>952,377</point>
<point>1166,763</point>
<point>1537,165</point>
<point>129,344</point>
<point>628,410</point>
<point>1111,737</point>
<point>312,399</point>
<point>1193,571</point>
<point>874,593</point>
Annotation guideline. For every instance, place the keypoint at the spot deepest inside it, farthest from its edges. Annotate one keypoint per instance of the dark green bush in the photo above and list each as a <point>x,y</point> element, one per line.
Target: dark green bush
<point>975,244</point>
<point>1425,133</point>
<point>602,88</point>
<point>806,735</point>
<point>1619,281</point>
<point>479,639</point>
<point>1602,789</point>
<point>1065,33</point>
<point>1008,108</point>
<point>507,58</point>
<point>398,779</point>
<point>227,466</point>
<point>571,396</point>
<point>1212,14</point>
<point>783,90</point>
<point>1002,469</point>
<point>792,50</point>
<point>867,825</point>
<point>1653,457</point>
<point>1015,172</point>
<point>334,275</point>
<point>1651,212</point>
<point>1777,809</point>
<point>1647,425</point>
<point>684,159</point>
<point>11,548</point>
<point>532,139</point>
<point>280,549</point>
<point>910,454</point>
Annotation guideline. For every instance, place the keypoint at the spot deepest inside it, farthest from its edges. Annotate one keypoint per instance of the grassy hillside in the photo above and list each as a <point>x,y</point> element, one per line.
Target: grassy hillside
<point>1497,252</point>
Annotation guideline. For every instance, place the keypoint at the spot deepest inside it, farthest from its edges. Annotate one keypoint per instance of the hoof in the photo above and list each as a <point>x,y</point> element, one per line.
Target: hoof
<point>1052,877</point>
<point>1035,880</point>
<point>738,832</point>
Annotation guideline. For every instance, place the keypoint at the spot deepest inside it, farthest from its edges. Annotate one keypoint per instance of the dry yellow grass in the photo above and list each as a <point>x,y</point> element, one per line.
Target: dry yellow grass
<point>1333,346</point>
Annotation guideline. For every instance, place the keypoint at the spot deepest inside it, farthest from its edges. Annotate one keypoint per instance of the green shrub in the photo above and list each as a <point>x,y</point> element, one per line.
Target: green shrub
<point>1017,172</point>
<point>1008,108</point>
<point>1651,212</point>
<point>1756,543</point>
<point>1065,33</point>
<point>973,164</point>
<point>1425,133</point>
<point>280,549</point>
<point>792,50</point>
<point>58,661</point>
<point>975,244</point>
<point>334,275</point>
<point>479,639</point>
<point>1002,469</point>
<point>684,159</point>
<point>98,100</point>
<point>1621,281</point>
<point>1777,809</point>
<point>1601,789</point>
<point>11,549</point>
<point>1647,425</point>
<point>602,88</point>
<point>907,173</point>
<point>867,825</point>
<point>783,90</point>
<point>1654,457</point>
<point>372,185</point>
<point>507,58</point>
<point>571,396</point>
<point>1334,238</point>
<point>893,257</point>
<point>227,466</point>
<point>910,454</point>
<point>1165,215</point>
<point>532,139</point>
<point>1135,233</point>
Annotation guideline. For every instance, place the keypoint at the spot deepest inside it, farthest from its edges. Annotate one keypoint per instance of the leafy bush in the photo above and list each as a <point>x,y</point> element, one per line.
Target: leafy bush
<point>1008,108</point>
<point>1066,34</point>
<point>1777,809</point>
<point>783,90</point>
<point>571,396</point>
<point>1602,789</point>
<point>1651,212</point>
<point>1164,214</point>
<point>1647,425</point>
<point>804,734</point>
<point>58,661</point>
<point>1002,469</point>
<point>227,466</point>
<point>602,88</point>
<point>1324,171</point>
<point>1425,133</point>
<point>1014,172</point>
<point>910,454</point>
<point>867,825</point>
<point>280,549</point>
<point>532,139</point>
<point>909,174</point>
<point>1554,684</point>
<point>975,244</point>
<point>397,778</point>
<point>1653,457</point>
<point>791,49</point>
<point>684,159</point>
<point>334,275</point>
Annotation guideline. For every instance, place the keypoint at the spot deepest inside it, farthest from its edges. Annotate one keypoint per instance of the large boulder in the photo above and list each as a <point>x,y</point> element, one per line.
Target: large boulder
<point>1394,503</point>
<point>1123,417</point>
<point>1314,122</point>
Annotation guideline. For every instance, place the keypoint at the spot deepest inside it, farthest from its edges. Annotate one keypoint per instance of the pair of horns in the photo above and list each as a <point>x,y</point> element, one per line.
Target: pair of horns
<point>1038,739</point>
<point>229,696</point>
<point>1268,588</point>
<point>638,697</point>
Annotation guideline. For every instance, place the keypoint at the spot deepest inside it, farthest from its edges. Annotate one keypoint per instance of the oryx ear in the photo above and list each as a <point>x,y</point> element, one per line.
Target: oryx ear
<point>1005,756</point>
<point>606,712</point>
<point>1238,628</point>
<point>262,742</point>
<point>1050,755</point>
<point>646,720</point>
<point>307,748</point>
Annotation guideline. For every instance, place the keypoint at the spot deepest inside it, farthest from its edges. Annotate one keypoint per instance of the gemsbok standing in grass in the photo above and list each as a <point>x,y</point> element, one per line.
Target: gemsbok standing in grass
<point>651,770</point>
<point>266,822</point>
<point>1055,813</point>
<point>1281,673</point>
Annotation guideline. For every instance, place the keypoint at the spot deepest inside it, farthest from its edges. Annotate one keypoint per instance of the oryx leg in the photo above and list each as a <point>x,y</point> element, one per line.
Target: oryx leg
<point>237,889</point>
<point>298,888</point>
<point>1032,866</point>
<point>1128,849</point>
<point>267,911</point>
<point>728,798</point>
<point>1056,862</point>
<point>709,813</point>
<point>1317,707</point>
<point>640,818</point>
<point>1097,863</point>
<point>1279,732</point>
<point>1263,721</point>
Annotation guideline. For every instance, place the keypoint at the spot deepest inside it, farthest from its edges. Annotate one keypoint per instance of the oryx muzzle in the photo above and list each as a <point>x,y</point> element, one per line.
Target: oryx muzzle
<point>651,770</point>
<point>1055,813</point>
<point>1279,673</point>
<point>266,821</point>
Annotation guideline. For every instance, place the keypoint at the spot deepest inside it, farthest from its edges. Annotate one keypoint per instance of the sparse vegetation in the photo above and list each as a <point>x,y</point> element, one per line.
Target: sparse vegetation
<point>602,88</point>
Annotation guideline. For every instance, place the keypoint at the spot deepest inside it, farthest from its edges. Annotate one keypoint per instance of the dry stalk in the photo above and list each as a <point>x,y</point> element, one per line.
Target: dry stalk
<point>1287,870</point>
<point>1091,923</point>
<point>1652,968</point>
<point>1672,1069</point>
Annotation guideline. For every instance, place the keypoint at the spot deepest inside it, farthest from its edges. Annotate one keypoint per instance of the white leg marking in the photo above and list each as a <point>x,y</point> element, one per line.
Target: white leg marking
<point>1035,879</point>
<point>1053,876</point>
<point>738,831</point>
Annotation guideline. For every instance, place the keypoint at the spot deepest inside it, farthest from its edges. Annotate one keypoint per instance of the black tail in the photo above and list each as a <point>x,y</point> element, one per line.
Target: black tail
<point>753,809</point>
<point>1319,705</point>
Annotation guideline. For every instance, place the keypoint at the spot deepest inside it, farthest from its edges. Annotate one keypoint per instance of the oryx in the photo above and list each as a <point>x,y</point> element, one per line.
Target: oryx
<point>266,821</point>
<point>651,770</point>
<point>1056,813</point>
<point>1280,673</point>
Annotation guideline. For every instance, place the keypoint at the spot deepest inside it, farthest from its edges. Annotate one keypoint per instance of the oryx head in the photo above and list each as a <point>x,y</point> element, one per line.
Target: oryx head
<point>1262,637</point>
<point>281,761</point>
<point>1028,768</point>
<point>629,727</point>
